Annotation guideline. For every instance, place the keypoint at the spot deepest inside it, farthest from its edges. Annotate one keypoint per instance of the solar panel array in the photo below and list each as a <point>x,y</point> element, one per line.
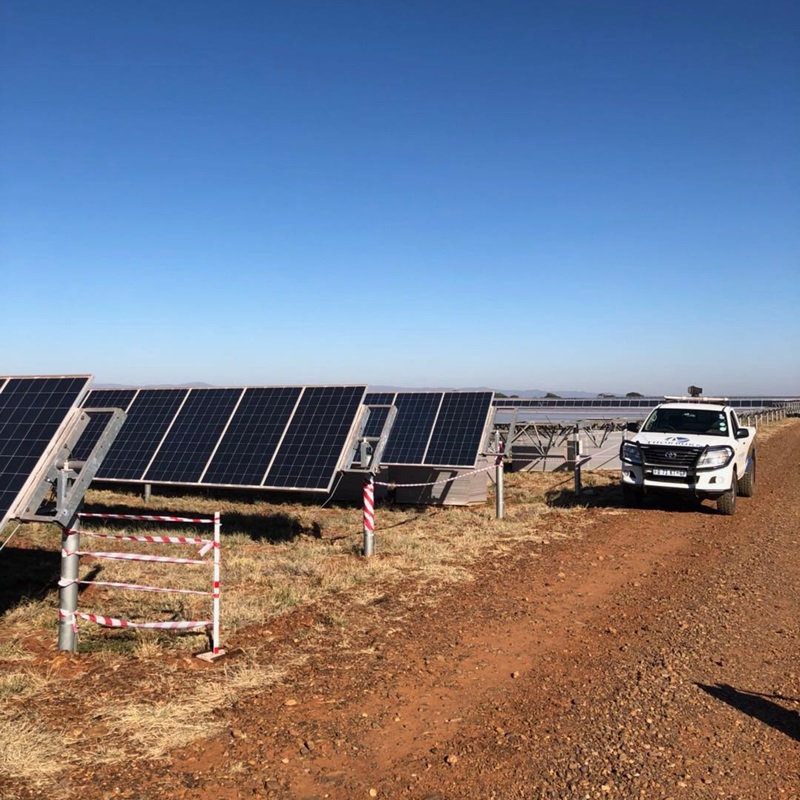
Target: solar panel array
<point>442,429</point>
<point>289,437</point>
<point>33,412</point>
<point>623,402</point>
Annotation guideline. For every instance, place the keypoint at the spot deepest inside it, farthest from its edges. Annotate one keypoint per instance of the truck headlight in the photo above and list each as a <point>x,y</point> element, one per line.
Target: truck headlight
<point>715,457</point>
<point>631,453</point>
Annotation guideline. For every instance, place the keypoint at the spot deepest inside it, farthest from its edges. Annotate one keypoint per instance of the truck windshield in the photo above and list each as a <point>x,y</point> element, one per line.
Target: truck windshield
<point>705,421</point>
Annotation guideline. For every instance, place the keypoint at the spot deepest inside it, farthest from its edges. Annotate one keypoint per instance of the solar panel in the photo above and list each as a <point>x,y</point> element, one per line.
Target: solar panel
<point>33,413</point>
<point>149,417</point>
<point>248,445</point>
<point>458,433</point>
<point>312,447</point>
<point>408,439</point>
<point>437,428</point>
<point>193,435</point>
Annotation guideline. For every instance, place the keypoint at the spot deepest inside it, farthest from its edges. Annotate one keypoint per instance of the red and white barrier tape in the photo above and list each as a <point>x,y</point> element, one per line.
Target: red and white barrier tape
<point>132,557</point>
<point>441,480</point>
<point>153,539</point>
<point>133,587</point>
<point>112,622</point>
<point>146,518</point>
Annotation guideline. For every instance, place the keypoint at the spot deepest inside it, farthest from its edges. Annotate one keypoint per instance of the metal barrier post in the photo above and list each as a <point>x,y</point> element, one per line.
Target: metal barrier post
<point>68,592</point>
<point>499,481</point>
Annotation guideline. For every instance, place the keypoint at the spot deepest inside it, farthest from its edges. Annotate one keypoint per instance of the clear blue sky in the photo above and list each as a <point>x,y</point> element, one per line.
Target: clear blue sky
<point>600,195</point>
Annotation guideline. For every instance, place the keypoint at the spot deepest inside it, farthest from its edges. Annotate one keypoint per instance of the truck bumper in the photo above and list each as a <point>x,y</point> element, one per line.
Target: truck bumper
<point>703,484</point>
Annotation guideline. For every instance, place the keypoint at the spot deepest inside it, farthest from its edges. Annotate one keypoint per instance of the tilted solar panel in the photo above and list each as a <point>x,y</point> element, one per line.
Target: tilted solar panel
<point>458,434</point>
<point>149,418</point>
<point>193,436</point>
<point>408,439</point>
<point>33,411</point>
<point>248,444</point>
<point>443,429</point>
<point>312,447</point>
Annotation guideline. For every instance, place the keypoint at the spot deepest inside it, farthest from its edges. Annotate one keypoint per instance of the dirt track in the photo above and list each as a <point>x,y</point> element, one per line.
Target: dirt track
<point>655,657</point>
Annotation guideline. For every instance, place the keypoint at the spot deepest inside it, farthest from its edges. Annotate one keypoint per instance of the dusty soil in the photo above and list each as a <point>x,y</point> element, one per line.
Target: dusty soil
<point>654,657</point>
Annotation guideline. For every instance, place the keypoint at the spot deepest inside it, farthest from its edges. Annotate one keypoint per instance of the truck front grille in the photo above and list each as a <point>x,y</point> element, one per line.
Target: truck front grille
<point>659,455</point>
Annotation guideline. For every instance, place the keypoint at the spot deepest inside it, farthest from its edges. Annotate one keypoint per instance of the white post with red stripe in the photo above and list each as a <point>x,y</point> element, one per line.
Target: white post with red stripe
<point>215,626</point>
<point>369,516</point>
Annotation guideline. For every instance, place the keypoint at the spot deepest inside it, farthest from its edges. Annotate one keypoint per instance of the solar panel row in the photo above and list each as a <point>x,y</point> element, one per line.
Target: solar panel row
<point>256,437</point>
<point>33,412</point>
<point>622,402</point>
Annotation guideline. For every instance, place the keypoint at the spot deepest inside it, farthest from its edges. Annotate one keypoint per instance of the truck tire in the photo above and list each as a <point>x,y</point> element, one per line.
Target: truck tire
<point>747,483</point>
<point>726,503</point>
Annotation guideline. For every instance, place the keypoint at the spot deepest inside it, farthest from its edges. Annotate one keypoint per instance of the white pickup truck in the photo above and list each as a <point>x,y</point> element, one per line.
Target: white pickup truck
<point>693,445</point>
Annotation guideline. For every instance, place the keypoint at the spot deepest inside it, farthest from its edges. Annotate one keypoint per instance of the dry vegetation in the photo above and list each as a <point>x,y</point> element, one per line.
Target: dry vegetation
<point>275,559</point>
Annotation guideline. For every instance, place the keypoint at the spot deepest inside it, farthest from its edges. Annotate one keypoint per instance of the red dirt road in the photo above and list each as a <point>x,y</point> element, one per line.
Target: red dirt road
<point>655,657</point>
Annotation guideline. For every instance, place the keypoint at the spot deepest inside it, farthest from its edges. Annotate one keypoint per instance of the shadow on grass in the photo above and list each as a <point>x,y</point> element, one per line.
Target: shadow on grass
<point>758,706</point>
<point>28,574</point>
<point>610,496</point>
<point>277,526</point>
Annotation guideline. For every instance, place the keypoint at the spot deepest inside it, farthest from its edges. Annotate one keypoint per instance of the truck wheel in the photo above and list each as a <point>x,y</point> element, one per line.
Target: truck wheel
<point>726,503</point>
<point>747,483</point>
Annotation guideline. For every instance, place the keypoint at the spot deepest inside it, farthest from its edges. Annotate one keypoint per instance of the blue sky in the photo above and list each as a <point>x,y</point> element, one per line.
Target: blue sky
<point>600,195</point>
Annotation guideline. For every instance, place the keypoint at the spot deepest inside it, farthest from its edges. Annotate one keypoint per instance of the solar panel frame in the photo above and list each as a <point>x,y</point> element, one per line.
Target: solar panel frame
<point>35,415</point>
<point>100,398</point>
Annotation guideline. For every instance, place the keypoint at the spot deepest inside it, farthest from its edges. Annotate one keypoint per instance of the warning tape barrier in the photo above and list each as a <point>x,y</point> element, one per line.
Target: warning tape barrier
<point>132,557</point>
<point>136,587</point>
<point>113,622</point>
<point>147,518</point>
<point>71,538</point>
<point>151,539</point>
<point>441,480</point>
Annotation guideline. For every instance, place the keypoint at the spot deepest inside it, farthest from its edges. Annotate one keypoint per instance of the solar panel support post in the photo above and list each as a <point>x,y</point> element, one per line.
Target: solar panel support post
<point>68,591</point>
<point>574,454</point>
<point>148,491</point>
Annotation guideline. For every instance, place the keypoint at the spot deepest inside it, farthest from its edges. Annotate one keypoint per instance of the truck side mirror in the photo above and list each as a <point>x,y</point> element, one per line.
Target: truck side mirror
<point>742,433</point>
<point>632,427</point>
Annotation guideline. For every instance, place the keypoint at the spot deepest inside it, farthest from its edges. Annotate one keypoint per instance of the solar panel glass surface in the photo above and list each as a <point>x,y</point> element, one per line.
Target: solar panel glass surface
<point>458,433</point>
<point>310,451</point>
<point>416,415</point>
<point>249,443</point>
<point>32,411</point>
<point>193,435</point>
<point>149,418</point>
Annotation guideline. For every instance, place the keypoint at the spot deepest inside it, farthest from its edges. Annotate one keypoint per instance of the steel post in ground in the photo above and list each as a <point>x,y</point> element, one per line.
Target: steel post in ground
<point>369,516</point>
<point>576,454</point>
<point>68,591</point>
<point>499,489</point>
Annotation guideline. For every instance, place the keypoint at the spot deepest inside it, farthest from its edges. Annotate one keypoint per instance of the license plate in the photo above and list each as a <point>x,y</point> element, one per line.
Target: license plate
<point>670,473</point>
